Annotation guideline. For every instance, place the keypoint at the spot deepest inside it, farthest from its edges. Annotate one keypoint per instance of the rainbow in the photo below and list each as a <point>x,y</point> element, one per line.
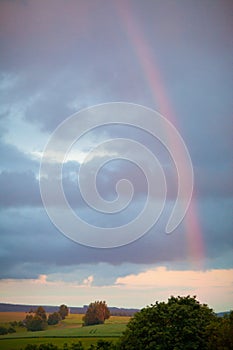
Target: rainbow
<point>149,67</point>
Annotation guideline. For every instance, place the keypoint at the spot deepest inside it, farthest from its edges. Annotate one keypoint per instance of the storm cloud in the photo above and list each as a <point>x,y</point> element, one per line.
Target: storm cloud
<point>58,58</point>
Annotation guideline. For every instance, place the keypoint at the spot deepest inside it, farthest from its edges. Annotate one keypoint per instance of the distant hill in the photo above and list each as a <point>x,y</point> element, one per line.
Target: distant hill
<point>221,314</point>
<point>115,311</point>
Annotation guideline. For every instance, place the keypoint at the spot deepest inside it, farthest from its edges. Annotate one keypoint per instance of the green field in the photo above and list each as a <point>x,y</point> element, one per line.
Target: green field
<point>68,331</point>
<point>18,344</point>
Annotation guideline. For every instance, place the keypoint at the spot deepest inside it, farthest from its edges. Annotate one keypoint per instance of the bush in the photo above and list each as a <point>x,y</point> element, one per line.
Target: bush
<point>21,324</point>
<point>103,345</point>
<point>11,330</point>
<point>48,346</point>
<point>31,347</point>
<point>3,330</point>
<point>35,323</point>
<point>77,346</point>
<point>54,318</point>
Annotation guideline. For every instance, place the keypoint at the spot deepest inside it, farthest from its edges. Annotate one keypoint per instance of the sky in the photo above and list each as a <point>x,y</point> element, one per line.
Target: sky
<point>62,57</point>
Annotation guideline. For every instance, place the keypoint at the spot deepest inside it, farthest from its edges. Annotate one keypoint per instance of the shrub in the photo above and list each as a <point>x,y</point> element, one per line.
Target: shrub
<point>31,347</point>
<point>35,323</point>
<point>3,330</point>
<point>48,346</point>
<point>77,346</point>
<point>11,330</point>
<point>54,318</point>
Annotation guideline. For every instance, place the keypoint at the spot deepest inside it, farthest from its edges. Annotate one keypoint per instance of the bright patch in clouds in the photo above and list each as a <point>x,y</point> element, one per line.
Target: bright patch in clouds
<point>161,277</point>
<point>145,287</point>
<point>88,281</point>
<point>206,285</point>
<point>41,280</point>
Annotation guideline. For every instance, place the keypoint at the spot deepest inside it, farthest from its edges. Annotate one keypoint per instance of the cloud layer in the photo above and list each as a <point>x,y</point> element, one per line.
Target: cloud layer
<point>174,57</point>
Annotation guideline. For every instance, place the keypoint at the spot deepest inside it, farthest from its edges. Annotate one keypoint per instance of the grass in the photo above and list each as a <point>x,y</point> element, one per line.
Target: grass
<point>102,330</point>
<point>68,331</point>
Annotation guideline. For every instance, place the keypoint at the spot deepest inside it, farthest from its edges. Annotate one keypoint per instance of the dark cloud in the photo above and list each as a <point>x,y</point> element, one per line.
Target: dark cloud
<point>67,57</point>
<point>29,238</point>
<point>19,189</point>
<point>14,160</point>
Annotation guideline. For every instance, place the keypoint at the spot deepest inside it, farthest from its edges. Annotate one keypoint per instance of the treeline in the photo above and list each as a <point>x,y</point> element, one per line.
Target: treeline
<point>115,311</point>
<point>182,323</point>
<point>37,320</point>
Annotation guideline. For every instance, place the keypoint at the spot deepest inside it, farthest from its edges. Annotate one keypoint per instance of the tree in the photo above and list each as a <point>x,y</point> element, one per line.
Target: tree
<point>220,333</point>
<point>179,324</point>
<point>96,313</point>
<point>38,321</point>
<point>63,311</point>
<point>35,323</point>
<point>40,311</point>
<point>3,330</point>
<point>54,318</point>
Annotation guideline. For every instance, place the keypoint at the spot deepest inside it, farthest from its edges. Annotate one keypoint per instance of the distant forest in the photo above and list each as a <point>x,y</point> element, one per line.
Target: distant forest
<point>115,311</point>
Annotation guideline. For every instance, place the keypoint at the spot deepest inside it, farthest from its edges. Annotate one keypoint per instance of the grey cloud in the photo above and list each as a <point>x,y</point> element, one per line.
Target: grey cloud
<point>19,189</point>
<point>58,61</point>
<point>32,239</point>
<point>14,160</point>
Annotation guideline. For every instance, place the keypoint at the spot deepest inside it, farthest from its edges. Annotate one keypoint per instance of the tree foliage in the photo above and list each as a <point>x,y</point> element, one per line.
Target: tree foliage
<point>179,324</point>
<point>40,312</point>
<point>54,318</point>
<point>37,321</point>
<point>96,313</point>
<point>63,311</point>
<point>103,345</point>
<point>220,333</point>
<point>50,346</point>
<point>3,330</point>
<point>47,346</point>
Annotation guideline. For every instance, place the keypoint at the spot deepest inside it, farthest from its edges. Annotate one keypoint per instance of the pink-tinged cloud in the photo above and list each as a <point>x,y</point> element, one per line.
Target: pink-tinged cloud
<point>208,285</point>
<point>213,287</point>
<point>162,277</point>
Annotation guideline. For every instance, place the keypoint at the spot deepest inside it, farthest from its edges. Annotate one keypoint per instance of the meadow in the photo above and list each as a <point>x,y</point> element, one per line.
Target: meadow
<point>67,331</point>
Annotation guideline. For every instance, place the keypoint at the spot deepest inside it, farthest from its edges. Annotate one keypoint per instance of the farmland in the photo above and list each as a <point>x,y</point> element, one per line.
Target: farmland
<point>67,331</point>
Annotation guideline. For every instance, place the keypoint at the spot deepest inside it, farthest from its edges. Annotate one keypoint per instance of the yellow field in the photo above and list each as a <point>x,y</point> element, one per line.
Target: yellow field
<point>67,331</point>
<point>12,316</point>
<point>72,319</point>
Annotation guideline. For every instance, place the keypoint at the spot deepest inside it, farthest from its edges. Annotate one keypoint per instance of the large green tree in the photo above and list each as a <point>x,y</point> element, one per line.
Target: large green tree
<point>179,324</point>
<point>96,313</point>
